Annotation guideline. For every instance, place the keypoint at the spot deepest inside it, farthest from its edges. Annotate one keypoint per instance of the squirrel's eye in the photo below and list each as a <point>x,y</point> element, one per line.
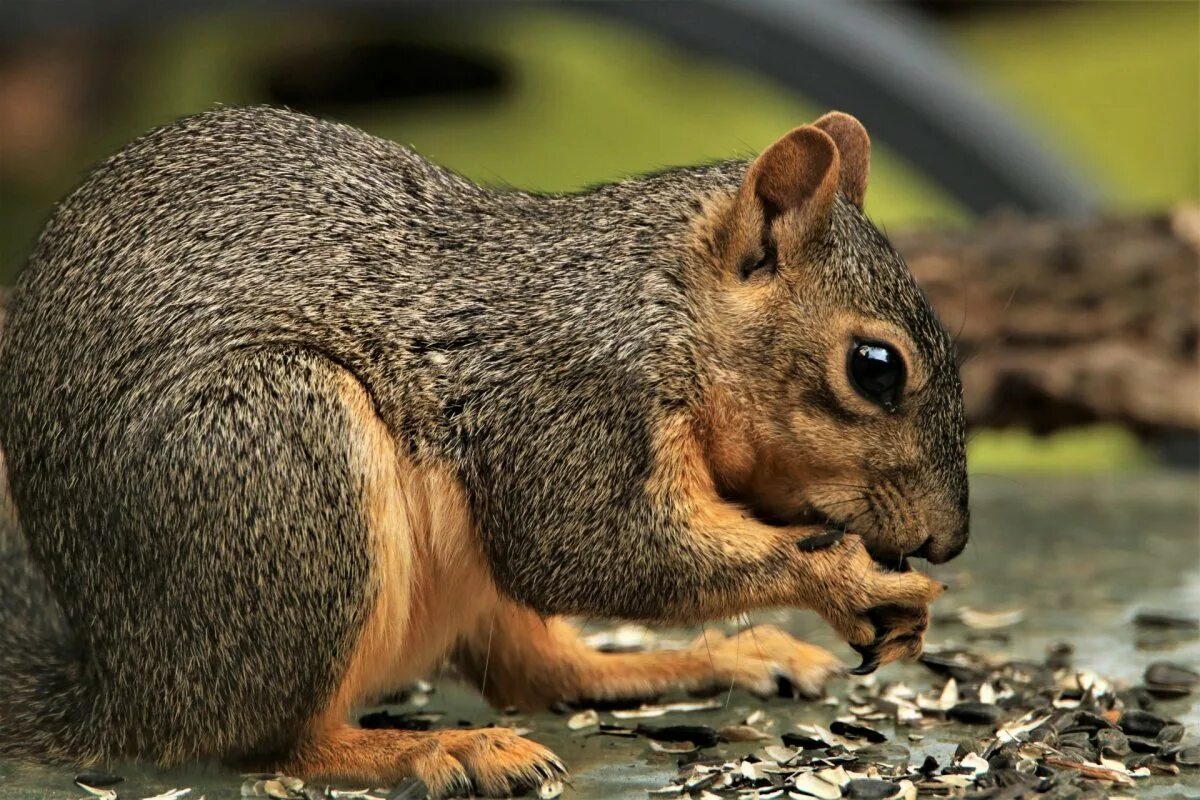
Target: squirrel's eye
<point>877,373</point>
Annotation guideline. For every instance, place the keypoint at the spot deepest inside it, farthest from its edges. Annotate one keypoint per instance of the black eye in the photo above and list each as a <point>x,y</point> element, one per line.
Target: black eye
<point>877,373</point>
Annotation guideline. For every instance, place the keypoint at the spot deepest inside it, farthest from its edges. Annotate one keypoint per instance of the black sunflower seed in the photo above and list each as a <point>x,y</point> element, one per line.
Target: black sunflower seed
<point>852,731</point>
<point>98,780</point>
<point>1188,756</point>
<point>1171,733</point>
<point>1073,739</point>
<point>975,713</point>
<point>1166,619</point>
<point>1164,672</point>
<point>1141,744</point>
<point>1112,741</point>
<point>699,735</point>
<point>869,789</point>
<point>1136,722</point>
<point>1164,691</point>
<point>945,663</point>
<point>803,742</point>
<point>1090,721</point>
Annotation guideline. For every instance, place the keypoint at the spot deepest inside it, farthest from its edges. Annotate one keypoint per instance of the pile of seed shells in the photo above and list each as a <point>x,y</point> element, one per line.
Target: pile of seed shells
<point>269,786</point>
<point>282,787</point>
<point>1047,730</point>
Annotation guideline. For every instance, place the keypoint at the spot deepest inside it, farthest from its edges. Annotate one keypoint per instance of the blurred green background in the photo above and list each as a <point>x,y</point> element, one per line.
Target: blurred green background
<point>1113,88</point>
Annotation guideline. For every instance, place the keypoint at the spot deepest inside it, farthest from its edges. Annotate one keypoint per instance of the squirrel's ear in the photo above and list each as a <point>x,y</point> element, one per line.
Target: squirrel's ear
<point>854,148</point>
<point>798,173</point>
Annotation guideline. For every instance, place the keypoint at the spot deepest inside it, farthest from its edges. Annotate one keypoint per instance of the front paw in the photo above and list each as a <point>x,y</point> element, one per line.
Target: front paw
<point>766,661</point>
<point>883,614</point>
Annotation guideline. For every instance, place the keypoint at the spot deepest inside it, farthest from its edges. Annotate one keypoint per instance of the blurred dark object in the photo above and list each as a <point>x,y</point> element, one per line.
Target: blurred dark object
<point>1061,324</point>
<point>966,8</point>
<point>335,77</point>
<point>879,63</point>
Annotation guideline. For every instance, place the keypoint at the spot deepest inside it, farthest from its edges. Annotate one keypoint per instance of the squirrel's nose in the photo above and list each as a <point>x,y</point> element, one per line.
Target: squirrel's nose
<point>939,550</point>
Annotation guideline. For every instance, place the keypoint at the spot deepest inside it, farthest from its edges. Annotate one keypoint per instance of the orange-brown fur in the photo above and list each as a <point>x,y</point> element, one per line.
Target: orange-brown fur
<point>434,594</point>
<point>422,531</point>
<point>433,590</point>
<point>430,585</point>
<point>532,662</point>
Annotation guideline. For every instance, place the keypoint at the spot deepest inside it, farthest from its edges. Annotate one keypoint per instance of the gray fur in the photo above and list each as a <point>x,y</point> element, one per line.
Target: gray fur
<point>179,458</point>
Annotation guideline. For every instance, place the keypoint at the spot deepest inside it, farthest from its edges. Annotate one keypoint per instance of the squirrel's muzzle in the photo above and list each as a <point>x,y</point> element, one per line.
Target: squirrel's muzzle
<point>945,543</point>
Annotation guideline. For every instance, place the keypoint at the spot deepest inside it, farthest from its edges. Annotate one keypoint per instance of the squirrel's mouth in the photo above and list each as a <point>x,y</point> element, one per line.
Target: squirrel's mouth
<point>811,515</point>
<point>804,515</point>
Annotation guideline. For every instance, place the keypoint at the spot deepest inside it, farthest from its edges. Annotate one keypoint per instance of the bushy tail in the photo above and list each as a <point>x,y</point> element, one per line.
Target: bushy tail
<point>42,701</point>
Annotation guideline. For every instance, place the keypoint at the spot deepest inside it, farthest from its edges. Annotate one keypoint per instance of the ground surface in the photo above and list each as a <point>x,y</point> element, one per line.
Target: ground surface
<point>1080,555</point>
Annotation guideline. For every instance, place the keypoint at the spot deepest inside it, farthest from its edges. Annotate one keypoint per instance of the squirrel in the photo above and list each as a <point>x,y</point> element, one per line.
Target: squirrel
<point>292,414</point>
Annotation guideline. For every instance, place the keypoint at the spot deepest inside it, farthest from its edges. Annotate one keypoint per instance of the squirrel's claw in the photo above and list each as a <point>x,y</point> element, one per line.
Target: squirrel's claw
<point>870,656</point>
<point>895,637</point>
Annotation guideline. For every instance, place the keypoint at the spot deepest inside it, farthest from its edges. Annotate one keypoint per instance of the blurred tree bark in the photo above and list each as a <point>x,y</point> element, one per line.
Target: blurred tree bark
<point>1068,323</point>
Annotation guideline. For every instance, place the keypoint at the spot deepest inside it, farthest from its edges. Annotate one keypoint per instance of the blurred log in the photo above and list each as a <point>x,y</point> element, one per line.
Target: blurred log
<point>1070,323</point>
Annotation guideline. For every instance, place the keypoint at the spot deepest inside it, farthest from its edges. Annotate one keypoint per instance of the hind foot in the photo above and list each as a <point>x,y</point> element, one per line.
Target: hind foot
<point>493,762</point>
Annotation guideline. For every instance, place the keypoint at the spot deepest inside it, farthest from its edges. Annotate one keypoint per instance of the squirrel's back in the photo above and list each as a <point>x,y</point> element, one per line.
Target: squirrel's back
<point>246,227</point>
<point>490,328</point>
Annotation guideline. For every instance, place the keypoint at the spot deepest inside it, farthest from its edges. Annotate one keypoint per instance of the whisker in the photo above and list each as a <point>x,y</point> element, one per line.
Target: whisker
<point>737,657</point>
<point>848,524</point>
<point>711,664</point>
<point>487,660</point>
<point>857,486</point>
<point>857,499</point>
<point>962,323</point>
<point>754,636</point>
<point>1008,303</point>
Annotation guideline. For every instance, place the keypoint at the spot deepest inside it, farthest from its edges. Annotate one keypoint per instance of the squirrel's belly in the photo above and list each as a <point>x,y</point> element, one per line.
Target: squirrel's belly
<point>433,584</point>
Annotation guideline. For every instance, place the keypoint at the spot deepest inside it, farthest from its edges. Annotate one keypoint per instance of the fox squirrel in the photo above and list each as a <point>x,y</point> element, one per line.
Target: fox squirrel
<point>291,414</point>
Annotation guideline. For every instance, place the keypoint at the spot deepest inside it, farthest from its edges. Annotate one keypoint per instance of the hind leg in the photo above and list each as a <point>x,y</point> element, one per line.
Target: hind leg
<point>249,577</point>
<point>419,542</point>
<point>213,563</point>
